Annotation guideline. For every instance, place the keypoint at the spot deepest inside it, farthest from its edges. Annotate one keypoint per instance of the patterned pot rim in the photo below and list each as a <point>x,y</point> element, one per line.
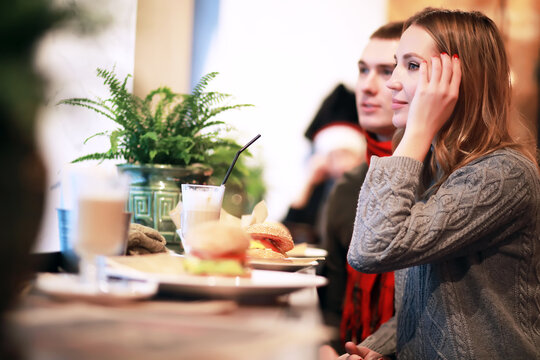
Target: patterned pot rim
<point>199,169</point>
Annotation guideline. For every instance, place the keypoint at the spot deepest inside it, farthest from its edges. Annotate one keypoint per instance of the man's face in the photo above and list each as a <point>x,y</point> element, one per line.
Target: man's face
<point>373,98</point>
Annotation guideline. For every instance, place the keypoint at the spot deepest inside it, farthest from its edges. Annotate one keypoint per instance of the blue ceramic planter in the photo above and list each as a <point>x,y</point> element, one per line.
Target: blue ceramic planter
<point>155,191</point>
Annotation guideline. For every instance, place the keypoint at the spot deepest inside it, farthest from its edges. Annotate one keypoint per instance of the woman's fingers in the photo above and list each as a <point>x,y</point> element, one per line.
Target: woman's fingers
<point>445,78</point>
<point>423,79</point>
<point>351,348</point>
<point>456,76</point>
<point>447,69</point>
<point>436,70</point>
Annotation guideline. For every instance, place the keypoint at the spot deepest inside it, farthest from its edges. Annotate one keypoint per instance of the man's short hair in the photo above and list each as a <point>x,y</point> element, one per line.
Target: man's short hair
<point>389,31</point>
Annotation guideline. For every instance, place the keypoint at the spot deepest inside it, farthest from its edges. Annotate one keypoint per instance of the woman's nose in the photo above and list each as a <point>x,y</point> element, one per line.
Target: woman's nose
<point>393,85</point>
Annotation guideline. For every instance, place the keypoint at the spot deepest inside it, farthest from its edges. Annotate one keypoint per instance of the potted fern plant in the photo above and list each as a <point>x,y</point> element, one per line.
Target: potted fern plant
<point>165,139</point>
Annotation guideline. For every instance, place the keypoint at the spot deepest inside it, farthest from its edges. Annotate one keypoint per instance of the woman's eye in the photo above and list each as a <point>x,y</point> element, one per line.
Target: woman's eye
<point>363,70</point>
<point>413,66</point>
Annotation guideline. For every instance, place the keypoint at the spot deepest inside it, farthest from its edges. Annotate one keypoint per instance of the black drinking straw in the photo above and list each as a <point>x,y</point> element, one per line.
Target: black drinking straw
<point>236,157</point>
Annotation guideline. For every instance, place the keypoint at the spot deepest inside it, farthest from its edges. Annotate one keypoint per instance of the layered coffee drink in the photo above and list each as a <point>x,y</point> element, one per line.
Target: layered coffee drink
<point>194,217</point>
<point>200,204</point>
<point>101,226</point>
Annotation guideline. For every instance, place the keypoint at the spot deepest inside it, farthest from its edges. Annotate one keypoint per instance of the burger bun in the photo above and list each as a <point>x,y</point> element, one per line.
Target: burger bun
<point>275,233</point>
<point>216,238</point>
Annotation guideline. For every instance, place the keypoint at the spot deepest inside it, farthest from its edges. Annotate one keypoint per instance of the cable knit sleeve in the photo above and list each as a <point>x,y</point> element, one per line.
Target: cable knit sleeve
<point>470,211</point>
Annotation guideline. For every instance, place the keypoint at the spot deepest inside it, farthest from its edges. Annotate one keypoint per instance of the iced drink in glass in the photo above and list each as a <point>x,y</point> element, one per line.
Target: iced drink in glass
<point>200,203</point>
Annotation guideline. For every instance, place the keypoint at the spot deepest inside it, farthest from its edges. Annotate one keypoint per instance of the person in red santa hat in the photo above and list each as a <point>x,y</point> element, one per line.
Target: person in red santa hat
<point>338,145</point>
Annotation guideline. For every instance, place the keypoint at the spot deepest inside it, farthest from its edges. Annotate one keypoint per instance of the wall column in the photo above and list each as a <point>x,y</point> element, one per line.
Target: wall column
<point>163,45</point>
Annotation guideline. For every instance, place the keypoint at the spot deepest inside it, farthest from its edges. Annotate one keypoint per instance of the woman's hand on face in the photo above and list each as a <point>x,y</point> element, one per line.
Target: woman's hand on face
<point>436,94</point>
<point>434,100</point>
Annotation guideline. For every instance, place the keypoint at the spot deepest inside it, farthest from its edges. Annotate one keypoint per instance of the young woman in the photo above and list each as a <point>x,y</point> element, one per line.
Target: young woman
<point>456,209</point>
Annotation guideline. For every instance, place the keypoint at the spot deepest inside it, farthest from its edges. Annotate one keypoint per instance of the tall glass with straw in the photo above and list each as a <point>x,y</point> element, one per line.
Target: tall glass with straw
<point>202,203</point>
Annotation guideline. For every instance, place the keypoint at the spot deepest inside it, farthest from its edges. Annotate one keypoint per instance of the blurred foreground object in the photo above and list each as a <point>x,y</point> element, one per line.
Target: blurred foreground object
<point>23,181</point>
<point>24,23</point>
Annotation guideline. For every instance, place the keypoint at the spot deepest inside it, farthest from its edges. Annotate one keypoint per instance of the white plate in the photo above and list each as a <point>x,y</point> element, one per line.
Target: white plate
<point>262,283</point>
<point>69,286</point>
<point>288,264</point>
<point>307,252</point>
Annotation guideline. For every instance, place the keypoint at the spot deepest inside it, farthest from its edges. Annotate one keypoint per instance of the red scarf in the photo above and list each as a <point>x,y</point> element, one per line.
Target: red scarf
<point>376,147</point>
<point>365,306</point>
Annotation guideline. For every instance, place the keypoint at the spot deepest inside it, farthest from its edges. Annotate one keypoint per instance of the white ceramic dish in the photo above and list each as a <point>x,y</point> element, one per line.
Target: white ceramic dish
<point>289,264</point>
<point>69,287</point>
<point>261,283</point>
<point>315,252</point>
<point>308,252</point>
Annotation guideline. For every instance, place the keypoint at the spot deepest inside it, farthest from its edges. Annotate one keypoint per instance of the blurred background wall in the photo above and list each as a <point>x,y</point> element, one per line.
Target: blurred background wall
<point>282,56</point>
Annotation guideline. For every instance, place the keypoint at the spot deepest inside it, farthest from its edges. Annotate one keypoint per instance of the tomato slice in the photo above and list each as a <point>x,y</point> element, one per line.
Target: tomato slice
<point>241,257</point>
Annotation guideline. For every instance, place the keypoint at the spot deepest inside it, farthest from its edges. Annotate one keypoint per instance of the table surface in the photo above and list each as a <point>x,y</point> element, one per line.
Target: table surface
<point>288,327</point>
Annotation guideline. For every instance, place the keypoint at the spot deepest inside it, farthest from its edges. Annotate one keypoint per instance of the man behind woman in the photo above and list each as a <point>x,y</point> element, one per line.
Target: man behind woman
<point>455,211</point>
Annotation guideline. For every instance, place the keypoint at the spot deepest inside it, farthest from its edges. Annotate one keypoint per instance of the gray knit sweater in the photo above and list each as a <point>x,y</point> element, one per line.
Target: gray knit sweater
<point>468,258</point>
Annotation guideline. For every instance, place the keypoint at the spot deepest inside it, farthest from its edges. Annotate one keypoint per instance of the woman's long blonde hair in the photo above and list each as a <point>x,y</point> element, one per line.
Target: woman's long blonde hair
<point>480,123</point>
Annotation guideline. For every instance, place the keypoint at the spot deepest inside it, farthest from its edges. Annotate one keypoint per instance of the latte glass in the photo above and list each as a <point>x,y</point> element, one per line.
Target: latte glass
<point>99,222</point>
<point>200,203</point>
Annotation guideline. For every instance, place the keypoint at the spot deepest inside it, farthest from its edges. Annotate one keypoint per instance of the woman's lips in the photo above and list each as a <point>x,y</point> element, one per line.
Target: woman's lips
<point>398,104</point>
<point>368,108</point>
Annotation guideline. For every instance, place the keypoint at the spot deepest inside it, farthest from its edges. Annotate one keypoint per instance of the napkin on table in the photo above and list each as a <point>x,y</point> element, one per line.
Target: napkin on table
<point>144,240</point>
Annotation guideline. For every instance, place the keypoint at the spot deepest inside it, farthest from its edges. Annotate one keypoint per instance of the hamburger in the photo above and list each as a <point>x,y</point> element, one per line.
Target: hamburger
<point>269,241</point>
<point>217,248</point>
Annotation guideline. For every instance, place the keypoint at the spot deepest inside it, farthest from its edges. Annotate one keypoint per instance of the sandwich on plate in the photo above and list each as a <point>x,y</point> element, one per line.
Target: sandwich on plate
<point>217,248</point>
<point>269,240</point>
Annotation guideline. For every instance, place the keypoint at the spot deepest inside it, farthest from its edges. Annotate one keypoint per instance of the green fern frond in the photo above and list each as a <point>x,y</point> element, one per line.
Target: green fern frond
<point>89,104</point>
<point>152,135</point>
<point>97,156</point>
<point>114,139</point>
<point>212,98</point>
<point>124,83</point>
<point>221,109</point>
<point>110,78</point>
<point>203,83</point>
<point>103,133</point>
